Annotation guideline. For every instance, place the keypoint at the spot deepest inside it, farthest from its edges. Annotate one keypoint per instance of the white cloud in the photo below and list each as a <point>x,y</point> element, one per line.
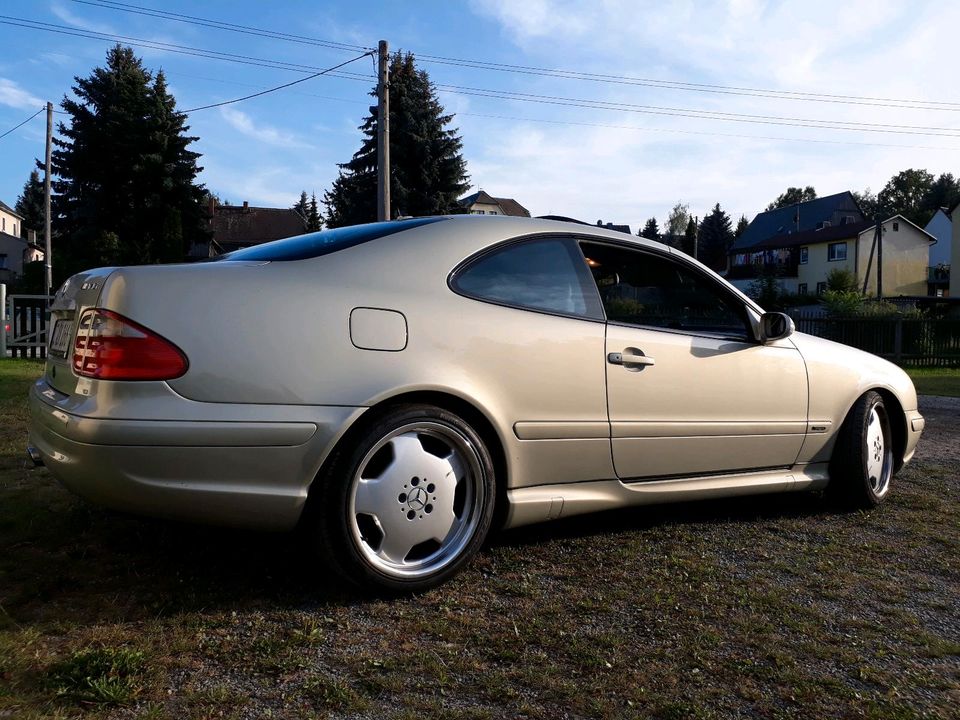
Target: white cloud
<point>880,48</point>
<point>79,22</point>
<point>12,95</point>
<point>244,124</point>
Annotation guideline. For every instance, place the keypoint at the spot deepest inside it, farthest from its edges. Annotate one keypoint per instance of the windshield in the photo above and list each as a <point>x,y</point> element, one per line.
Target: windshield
<point>324,242</point>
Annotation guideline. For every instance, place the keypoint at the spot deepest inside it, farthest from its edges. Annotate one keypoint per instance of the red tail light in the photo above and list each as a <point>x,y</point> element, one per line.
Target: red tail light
<point>112,347</point>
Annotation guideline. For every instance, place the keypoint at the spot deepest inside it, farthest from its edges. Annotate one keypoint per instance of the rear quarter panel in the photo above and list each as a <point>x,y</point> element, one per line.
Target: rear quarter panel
<point>279,333</point>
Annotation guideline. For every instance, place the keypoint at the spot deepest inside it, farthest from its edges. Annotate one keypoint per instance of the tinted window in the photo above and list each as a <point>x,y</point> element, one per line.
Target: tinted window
<point>546,274</point>
<point>646,289</point>
<point>324,242</point>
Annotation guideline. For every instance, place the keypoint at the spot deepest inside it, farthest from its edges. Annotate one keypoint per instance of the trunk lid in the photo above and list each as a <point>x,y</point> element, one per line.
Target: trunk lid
<point>80,292</point>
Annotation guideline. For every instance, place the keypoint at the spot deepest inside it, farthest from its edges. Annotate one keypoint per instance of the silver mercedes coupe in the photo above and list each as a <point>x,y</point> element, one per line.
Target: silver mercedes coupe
<point>398,388</point>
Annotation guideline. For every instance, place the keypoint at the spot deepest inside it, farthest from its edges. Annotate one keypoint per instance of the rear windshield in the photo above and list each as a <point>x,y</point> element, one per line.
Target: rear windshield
<point>324,242</point>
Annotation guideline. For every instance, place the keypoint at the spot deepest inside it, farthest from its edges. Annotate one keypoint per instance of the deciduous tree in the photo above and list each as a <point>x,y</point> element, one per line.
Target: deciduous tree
<point>792,196</point>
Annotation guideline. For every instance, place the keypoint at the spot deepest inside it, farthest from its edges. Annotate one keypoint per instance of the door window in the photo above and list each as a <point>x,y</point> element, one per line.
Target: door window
<point>640,288</point>
<point>545,274</point>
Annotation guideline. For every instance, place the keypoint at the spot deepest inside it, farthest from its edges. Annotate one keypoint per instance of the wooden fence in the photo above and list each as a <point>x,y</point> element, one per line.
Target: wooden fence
<point>905,341</point>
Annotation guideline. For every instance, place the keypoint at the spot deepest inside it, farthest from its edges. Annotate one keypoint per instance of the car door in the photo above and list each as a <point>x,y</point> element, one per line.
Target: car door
<point>689,389</point>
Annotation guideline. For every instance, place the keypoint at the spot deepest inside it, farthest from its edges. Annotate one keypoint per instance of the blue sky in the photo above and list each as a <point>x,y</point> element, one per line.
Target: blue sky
<point>586,162</point>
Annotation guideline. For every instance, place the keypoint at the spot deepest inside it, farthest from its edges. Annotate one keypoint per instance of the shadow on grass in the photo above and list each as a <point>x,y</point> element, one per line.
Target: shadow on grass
<point>66,561</point>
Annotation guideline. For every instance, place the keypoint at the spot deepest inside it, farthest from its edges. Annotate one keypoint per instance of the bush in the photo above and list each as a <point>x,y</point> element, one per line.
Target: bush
<point>842,280</point>
<point>842,302</point>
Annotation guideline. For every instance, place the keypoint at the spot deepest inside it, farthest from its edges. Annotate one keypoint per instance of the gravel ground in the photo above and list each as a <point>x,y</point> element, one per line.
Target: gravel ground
<point>768,607</point>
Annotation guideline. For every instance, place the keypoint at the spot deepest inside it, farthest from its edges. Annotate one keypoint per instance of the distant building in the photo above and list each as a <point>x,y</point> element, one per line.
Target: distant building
<point>11,221</point>
<point>480,203</point>
<point>955,247</point>
<point>239,226</point>
<point>941,227</point>
<point>614,227</point>
<point>801,244</point>
<point>15,251</point>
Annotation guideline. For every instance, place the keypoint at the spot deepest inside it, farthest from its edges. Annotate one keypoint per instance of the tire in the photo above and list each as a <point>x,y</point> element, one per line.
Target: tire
<point>862,465</point>
<point>407,501</point>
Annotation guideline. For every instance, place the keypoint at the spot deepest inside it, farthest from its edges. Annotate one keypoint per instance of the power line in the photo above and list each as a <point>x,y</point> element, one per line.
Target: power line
<point>640,128</point>
<point>903,103</point>
<point>15,127</point>
<point>850,126</point>
<point>573,123</point>
<point>221,25</point>
<point>278,87</point>
<point>155,45</point>
<point>704,114</point>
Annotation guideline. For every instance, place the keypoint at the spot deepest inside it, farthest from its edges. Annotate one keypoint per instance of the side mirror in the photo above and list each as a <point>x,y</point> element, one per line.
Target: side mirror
<point>775,326</point>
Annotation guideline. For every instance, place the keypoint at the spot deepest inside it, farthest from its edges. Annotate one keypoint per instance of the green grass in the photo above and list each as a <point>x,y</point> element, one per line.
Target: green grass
<point>771,607</point>
<point>936,381</point>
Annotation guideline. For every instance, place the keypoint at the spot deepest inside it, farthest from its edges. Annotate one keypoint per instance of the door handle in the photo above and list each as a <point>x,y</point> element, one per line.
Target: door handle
<point>631,356</point>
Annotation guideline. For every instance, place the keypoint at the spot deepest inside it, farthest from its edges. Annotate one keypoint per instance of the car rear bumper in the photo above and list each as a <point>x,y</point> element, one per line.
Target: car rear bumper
<point>247,473</point>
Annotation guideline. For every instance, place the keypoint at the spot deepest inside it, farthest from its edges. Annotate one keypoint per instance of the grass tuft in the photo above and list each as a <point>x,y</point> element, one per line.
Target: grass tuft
<point>102,676</point>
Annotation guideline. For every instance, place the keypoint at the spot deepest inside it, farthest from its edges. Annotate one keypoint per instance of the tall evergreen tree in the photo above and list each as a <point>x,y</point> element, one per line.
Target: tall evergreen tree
<point>742,226</point>
<point>428,171</point>
<point>314,221</point>
<point>30,204</point>
<point>651,230</point>
<point>716,238</point>
<point>302,208</point>
<point>689,244</point>
<point>126,190</point>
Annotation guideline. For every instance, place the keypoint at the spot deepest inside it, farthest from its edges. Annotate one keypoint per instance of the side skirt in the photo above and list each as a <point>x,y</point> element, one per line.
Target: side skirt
<point>549,502</point>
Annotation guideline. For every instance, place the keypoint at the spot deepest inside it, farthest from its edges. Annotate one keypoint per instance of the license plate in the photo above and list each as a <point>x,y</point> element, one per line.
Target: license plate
<point>59,342</point>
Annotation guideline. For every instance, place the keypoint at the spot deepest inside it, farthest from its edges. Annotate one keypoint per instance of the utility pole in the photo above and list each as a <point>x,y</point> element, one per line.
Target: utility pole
<point>879,236</point>
<point>383,132</point>
<point>48,253</point>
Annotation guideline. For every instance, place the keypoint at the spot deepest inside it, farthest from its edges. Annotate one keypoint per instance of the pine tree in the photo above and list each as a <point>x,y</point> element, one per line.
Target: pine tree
<point>716,238</point>
<point>126,190</point>
<point>742,226</point>
<point>428,172</point>
<point>314,221</point>
<point>651,230</point>
<point>31,206</point>
<point>689,245</point>
<point>302,208</point>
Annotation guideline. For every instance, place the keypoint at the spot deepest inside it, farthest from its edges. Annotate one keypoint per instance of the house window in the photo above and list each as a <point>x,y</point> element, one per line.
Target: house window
<point>896,226</point>
<point>821,288</point>
<point>804,252</point>
<point>836,251</point>
<point>802,287</point>
<point>3,261</point>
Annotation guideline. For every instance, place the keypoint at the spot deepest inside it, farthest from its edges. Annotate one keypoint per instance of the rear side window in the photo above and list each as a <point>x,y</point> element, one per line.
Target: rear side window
<point>325,242</point>
<point>546,274</point>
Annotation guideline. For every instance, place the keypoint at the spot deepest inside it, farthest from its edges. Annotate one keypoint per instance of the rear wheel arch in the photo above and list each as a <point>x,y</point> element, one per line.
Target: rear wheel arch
<point>467,410</point>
